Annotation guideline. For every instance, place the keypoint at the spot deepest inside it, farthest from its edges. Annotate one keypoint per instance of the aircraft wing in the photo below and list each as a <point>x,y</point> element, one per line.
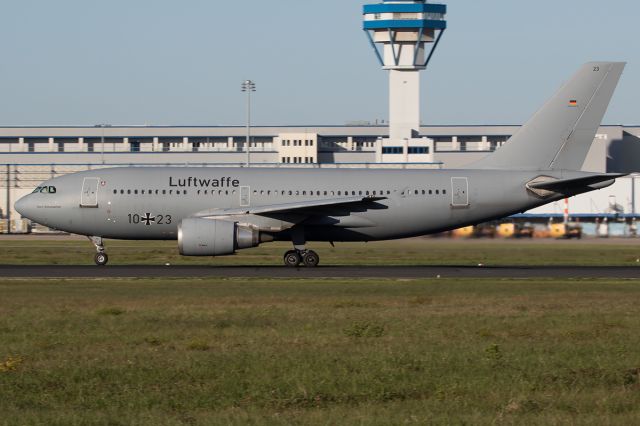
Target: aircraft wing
<point>299,207</point>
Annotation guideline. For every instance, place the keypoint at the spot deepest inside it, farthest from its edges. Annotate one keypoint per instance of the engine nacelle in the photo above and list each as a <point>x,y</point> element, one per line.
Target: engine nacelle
<point>211,237</point>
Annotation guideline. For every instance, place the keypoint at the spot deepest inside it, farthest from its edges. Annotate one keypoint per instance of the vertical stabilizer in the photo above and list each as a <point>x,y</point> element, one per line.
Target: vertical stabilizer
<point>559,136</point>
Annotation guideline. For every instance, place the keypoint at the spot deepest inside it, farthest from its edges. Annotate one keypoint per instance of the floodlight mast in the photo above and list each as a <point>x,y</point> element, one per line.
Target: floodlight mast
<point>404,35</point>
<point>248,87</point>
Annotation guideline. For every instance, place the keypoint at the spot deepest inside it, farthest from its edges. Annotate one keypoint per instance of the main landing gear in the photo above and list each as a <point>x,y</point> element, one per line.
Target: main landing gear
<point>101,257</point>
<point>300,254</point>
<point>293,258</point>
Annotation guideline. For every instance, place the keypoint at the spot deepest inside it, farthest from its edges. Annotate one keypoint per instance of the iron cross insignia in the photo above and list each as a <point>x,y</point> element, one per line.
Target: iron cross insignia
<point>147,219</point>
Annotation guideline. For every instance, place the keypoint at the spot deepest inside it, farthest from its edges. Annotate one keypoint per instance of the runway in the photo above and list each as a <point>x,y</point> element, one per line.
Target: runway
<point>384,272</point>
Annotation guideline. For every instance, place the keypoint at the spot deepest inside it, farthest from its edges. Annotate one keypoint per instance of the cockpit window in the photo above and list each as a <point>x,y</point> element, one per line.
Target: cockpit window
<point>45,190</point>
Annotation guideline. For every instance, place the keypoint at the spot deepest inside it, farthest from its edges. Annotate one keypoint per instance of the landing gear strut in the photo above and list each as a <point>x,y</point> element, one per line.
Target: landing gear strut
<point>293,258</point>
<point>101,257</point>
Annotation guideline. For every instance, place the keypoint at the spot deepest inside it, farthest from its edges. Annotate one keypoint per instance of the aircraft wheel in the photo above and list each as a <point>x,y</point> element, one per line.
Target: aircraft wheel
<point>292,258</point>
<point>311,259</point>
<point>101,259</point>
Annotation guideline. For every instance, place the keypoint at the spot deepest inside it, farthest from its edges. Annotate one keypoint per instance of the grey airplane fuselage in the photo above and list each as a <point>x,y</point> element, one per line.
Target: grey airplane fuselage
<point>216,211</point>
<point>149,203</point>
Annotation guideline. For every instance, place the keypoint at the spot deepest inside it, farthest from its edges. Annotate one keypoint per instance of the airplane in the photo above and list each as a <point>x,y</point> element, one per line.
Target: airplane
<point>217,211</point>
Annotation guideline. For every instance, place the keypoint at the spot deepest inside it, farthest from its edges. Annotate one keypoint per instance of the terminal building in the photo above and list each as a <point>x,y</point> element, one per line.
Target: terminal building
<point>33,154</point>
<point>615,148</point>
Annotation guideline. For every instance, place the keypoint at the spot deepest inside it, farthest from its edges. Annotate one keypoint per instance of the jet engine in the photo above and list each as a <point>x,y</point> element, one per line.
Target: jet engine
<point>214,237</point>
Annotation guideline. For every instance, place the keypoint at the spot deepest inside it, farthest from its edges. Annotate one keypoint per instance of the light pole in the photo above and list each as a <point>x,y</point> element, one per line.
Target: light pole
<point>102,126</point>
<point>248,86</point>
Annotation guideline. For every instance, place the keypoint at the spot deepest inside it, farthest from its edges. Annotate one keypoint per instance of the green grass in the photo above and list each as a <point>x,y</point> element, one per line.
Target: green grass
<point>215,351</point>
<point>404,252</point>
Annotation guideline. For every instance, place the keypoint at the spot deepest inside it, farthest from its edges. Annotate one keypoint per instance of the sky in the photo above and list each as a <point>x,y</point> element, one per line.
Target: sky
<point>168,62</point>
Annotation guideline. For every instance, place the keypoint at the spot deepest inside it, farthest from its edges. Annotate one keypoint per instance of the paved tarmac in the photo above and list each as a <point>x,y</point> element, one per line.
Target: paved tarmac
<point>402,272</point>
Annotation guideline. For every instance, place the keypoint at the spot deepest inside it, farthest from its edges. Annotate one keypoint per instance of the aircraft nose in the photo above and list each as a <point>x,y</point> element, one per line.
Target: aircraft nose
<point>25,206</point>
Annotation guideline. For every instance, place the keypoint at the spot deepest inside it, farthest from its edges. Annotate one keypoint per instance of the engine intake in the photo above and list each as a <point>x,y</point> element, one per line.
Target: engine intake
<point>213,237</point>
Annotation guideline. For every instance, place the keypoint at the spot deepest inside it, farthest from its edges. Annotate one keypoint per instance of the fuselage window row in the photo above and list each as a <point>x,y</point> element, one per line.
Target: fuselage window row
<point>149,192</point>
<point>276,193</point>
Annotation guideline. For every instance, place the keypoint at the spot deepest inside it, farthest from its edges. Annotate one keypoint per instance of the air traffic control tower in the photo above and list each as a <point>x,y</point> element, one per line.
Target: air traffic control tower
<point>404,35</point>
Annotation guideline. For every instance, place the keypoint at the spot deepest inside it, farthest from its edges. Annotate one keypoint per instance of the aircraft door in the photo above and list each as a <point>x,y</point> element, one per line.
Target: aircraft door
<point>459,192</point>
<point>89,196</point>
<point>245,196</point>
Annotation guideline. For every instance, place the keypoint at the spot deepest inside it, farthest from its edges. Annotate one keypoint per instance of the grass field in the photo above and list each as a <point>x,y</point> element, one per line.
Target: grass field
<point>404,252</point>
<point>210,351</point>
<point>331,351</point>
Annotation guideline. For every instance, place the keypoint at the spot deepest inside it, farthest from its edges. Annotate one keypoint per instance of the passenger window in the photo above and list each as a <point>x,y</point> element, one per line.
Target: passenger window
<point>444,191</point>
<point>164,192</point>
<point>128,192</point>
<point>430,192</point>
<point>142,192</point>
<point>437,192</point>
<point>115,191</point>
<point>184,192</point>
<point>135,191</point>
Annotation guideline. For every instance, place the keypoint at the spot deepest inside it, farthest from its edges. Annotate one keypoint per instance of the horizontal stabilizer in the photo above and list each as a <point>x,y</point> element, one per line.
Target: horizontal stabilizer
<point>289,207</point>
<point>575,184</point>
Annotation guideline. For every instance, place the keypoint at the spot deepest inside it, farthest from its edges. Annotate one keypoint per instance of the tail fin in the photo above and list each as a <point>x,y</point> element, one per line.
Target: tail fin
<point>559,136</point>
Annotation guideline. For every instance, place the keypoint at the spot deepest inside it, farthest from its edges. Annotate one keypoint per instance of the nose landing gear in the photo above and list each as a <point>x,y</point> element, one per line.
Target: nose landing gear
<point>100,257</point>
